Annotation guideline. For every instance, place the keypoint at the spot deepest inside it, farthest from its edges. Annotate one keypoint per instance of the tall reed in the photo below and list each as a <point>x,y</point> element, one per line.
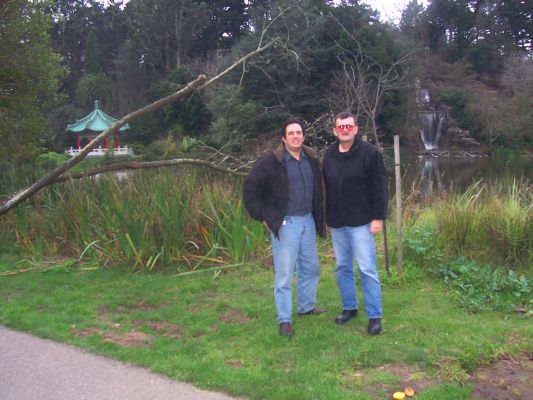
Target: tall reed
<point>149,220</point>
<point>508,221</point>
<point>487,223</point>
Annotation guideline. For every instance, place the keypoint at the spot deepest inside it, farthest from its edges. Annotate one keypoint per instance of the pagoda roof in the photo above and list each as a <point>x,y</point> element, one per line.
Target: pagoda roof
<point>96,121</point>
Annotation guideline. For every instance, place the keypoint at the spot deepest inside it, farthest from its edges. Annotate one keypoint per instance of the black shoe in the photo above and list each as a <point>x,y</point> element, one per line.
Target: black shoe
<point>313,311</point>
<point>285,329</point>
<point>374,326</point>
<point>345,316</point>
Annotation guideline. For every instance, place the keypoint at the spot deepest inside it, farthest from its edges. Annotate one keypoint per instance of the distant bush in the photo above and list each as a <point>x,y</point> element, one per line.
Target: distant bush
<point>51,159</point>
<point>485,58</point>
<point>235,118</point>
<point>457,100</point>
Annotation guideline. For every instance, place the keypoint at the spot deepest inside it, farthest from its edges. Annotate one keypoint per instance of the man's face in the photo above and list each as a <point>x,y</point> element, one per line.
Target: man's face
<point>345,130</point>
<point>294,137</point>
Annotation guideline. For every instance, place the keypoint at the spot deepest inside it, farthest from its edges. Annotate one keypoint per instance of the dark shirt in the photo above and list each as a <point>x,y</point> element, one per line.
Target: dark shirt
<point>300,184</point>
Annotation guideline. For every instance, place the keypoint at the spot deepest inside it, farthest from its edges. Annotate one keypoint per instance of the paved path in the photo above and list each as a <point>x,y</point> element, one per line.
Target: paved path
<point>38,369</point>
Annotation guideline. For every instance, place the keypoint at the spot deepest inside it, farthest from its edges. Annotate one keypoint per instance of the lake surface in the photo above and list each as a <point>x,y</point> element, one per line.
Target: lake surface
<point>429,175</point>
<point>432,175</point>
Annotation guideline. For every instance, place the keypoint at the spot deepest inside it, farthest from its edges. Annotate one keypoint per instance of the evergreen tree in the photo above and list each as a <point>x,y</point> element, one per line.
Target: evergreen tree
<point>29,76</point>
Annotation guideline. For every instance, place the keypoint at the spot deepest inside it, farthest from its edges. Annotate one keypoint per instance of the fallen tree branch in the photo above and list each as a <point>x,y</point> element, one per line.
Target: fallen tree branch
<point>146,164</point>
<point>199,83</point>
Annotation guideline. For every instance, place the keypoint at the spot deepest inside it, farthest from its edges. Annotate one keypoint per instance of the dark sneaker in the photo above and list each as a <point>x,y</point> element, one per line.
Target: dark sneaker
<point>374,326</point>
<point>345,316</point>
<point>313,311</point>
<point>285,329</point>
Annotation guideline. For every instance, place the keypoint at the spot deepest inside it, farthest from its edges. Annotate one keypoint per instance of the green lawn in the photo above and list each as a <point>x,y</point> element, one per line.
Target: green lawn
<point>220,333</point>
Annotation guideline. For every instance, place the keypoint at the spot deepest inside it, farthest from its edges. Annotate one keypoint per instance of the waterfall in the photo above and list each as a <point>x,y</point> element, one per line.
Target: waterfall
<point>431,124</point>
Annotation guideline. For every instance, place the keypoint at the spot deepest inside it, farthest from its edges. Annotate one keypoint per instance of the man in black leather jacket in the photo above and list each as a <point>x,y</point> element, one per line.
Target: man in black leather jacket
<point>284,190</point>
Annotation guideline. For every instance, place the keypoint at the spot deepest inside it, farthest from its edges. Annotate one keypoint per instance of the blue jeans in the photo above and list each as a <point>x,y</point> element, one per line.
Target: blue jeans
<point>357,243</point>
<point>296,246</point>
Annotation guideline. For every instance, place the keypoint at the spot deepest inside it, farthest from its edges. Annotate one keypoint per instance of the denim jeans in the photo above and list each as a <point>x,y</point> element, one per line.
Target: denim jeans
<point>295,248</point>
<point>357,243</point>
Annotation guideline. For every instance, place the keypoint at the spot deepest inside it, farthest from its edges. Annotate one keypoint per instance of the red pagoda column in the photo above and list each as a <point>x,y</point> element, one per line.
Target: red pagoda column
<point>78,141</point>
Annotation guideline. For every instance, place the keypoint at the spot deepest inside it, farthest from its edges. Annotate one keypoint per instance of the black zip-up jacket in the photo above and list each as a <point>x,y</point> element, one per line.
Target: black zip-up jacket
<point>266,189</point>
<point>356,185</point>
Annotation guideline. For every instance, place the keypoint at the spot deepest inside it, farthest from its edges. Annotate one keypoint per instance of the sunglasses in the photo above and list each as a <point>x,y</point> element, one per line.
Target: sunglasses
<point>349,128</point>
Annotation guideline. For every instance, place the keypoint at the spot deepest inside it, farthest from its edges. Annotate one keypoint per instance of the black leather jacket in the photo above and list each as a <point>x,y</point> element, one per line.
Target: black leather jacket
<point>266,190</point>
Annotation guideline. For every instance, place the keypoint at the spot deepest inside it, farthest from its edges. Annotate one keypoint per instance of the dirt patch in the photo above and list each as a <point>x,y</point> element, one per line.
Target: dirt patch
<point>128,339</point>
<point>199,333</point>
<point>164,328</point>
<point>505,380</point>
<point>234,363</point>
<point>409,377</point>
<point>372,382</point>
<point>86,332</point>
<point>142,306</point>
<point>233,316</point>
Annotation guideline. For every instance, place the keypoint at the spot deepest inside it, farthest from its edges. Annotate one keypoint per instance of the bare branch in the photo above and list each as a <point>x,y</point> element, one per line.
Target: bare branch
<point>198,84</point>
<point>368,80</point>
<point>132,165</point>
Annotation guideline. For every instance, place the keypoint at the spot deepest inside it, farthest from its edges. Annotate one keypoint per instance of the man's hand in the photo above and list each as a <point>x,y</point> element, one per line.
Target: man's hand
<point>376,225</point>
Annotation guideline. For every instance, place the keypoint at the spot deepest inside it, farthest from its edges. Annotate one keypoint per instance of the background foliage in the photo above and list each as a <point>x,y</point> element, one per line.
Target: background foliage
<point>126,54</point>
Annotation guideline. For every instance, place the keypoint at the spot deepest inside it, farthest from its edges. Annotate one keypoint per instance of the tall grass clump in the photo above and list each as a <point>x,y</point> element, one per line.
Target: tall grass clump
<point>458,217</point>
<point>509,222</point>
<point>488,223</point>
<point>151,219</point>
<point>479,242</point>
<point>230,229</point>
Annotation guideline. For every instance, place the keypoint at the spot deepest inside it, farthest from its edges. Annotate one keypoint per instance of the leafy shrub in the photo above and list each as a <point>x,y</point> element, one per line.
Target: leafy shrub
<point>421,248</point>
<point>457,100</point>
<point>478,287</point>
<point>486,288</point>
<point>51,160</point>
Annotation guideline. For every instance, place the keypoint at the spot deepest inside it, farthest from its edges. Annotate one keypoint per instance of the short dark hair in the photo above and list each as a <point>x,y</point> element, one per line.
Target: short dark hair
<point>292,121</point>
<point>344,115</point>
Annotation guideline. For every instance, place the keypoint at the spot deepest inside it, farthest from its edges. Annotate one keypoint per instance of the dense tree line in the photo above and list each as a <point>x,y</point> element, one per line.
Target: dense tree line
<point>58,56</point>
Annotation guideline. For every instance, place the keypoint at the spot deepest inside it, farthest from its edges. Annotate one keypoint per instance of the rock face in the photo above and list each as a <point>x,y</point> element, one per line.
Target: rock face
<point>457,138</point>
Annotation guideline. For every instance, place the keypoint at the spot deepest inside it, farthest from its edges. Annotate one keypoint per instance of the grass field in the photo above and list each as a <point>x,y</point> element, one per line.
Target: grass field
<point>219,332</point>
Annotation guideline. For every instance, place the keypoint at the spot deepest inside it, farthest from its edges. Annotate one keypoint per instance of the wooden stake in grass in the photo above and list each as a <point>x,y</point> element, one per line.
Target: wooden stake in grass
<point>398,177</point>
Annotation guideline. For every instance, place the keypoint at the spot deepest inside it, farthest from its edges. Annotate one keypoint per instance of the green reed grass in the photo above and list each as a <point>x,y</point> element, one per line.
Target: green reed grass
<point>458,217</point>
<point>233,232</point>
<point>490,223</point>
<point>174,217</point>
<point>150,220</point>
<point>509,222</point>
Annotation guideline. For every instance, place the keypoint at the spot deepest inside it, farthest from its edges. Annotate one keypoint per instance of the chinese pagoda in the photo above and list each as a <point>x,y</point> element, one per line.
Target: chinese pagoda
<point>87,128</point>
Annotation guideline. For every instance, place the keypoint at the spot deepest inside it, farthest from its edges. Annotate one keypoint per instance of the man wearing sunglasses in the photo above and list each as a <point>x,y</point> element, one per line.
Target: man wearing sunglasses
<point>284,190</point>
<point>356,206</point>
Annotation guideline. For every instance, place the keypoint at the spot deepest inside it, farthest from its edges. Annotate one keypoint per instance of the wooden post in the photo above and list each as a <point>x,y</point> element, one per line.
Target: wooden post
<point>398,177</point>
<point>386,247</point>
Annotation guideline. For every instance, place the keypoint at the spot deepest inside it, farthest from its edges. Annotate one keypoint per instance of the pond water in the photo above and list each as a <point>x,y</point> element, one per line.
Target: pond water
<point>433,175</point>
<point>430,175</point>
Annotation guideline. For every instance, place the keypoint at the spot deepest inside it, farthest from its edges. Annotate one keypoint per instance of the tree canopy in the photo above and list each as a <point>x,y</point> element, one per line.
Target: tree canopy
<point>125,54</point>
<point>29,77</point>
